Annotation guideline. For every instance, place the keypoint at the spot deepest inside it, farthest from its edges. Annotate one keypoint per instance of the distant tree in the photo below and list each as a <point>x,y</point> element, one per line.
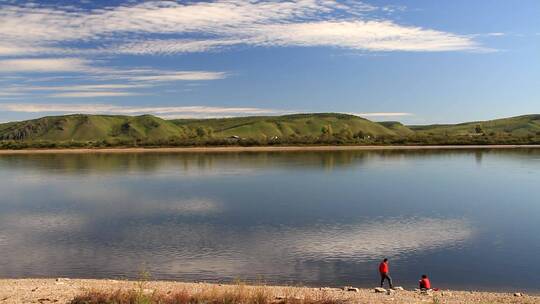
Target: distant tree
<point>201,132</point>
<point>327,130</point>
<point>210,132</point>
<point>360,134</point>
<point>346,134</point>
<point>478,129</point>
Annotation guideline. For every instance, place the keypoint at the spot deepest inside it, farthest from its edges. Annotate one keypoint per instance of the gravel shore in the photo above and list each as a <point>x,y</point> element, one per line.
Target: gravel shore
<point>63,290</point>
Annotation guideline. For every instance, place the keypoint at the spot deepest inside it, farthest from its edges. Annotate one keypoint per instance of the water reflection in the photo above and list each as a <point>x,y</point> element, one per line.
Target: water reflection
<point>154,162</point>
<point>318,218</point>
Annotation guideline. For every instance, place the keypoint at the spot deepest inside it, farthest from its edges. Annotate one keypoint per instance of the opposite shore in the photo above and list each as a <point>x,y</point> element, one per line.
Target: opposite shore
<point>261,149</point>
<point>65,290</point>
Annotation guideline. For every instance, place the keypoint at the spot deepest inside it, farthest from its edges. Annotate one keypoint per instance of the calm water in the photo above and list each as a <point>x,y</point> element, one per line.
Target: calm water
<point>469,219</point>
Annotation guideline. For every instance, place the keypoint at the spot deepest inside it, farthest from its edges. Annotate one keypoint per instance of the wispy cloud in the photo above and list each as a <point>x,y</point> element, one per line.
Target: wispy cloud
<point>90,87</point>
<point>165,112</point>
<point>123,82</point>
<point>382,114</point>
<point>41,65</point>
<point>35,29</point>
<point>51,65</point>
<point>84,94</point>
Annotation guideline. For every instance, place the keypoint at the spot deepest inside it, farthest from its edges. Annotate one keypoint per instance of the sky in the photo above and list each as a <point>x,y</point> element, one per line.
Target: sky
<point>416,61</point>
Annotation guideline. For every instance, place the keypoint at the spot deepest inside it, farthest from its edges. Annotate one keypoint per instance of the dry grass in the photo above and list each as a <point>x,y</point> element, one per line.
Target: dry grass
<point>238,294</point>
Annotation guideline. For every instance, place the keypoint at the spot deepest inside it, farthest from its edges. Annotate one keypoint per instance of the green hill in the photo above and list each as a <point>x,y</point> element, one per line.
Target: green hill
<point>526,125</point>
<point>322,128</point>
<point>89,128</point>
<point>84,128</point>
<point>258,127</point>
<point>397,127</point>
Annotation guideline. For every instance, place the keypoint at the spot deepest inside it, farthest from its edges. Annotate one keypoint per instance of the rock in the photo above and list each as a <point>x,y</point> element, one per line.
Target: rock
<point>379,289</point>
<point>353,289</point>
<point>518,294</point>
<point>390,292</point>
<point>398,288</point>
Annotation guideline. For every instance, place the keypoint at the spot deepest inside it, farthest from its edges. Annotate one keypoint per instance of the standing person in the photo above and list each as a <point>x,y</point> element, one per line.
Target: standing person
<point>424,283</point>
<point>383,271</point>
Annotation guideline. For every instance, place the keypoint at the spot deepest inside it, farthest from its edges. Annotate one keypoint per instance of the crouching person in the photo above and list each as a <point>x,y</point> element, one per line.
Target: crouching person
<point>424,283</point>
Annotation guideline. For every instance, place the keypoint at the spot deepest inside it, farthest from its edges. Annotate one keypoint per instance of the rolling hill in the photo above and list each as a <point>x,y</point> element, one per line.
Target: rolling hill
<point>283,126</point>
<point>81,127</point>
<point>318,128</point>
<point>88,128</point>
<point>525,125</point>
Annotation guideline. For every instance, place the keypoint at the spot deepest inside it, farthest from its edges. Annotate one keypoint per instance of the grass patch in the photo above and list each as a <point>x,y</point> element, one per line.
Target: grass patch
<point>239,294</point>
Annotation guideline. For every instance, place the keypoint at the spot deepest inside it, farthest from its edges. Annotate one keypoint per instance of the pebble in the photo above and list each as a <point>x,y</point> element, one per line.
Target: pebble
<point>446,294</point>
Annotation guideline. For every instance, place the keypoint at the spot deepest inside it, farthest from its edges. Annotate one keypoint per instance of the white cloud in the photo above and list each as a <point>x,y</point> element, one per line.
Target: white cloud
<point>89,87</point>
<point>382,114</point>
<point>166,112</point>
<point>44,65</point>
<point>363,35</point>
<point>36,29</point>
<point>172,46</point>
<point>92,94</point>
<point>183,75</point>
<point>22,48</point>
<point>51,65</point>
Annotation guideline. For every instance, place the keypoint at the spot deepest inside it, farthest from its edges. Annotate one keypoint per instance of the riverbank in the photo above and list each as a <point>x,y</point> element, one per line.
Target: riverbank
<point>260,149</point>
<point>65,290</point>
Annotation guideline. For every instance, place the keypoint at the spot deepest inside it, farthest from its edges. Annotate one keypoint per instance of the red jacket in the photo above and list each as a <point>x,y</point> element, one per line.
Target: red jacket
<point>425,283</point>
<point>383,268</point>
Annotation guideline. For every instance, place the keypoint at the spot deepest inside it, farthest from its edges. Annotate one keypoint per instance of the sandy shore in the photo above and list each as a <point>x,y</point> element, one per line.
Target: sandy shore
<point>259,149</point>
<point>63,290</point>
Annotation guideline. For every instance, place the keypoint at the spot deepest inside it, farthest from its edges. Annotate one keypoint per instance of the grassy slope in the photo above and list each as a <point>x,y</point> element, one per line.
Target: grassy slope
<point>282,126</point>
<point>90,128</point>
<point>111,127</point>
<point>108,127</point>
<point>397,127</point>
<point>516,126</point>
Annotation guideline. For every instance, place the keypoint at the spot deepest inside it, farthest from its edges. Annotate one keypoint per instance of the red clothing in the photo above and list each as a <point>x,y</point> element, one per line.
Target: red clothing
<point>383,267</point>
<point>425,283</point>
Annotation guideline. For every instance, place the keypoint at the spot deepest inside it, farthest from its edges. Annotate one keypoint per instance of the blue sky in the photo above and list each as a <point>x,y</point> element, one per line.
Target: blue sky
<point>415,61</point>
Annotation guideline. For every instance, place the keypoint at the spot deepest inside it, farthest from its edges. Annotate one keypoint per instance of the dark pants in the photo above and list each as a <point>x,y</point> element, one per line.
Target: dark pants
<point>385,276</point>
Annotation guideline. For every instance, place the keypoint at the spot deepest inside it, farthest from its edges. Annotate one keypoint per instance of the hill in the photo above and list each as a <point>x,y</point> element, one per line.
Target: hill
<point>525,125</point>
<point>89,128</point>
<point>397,127</point>
<point>258,127</point>
<point>321,128</point>
<point>115,129</point>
